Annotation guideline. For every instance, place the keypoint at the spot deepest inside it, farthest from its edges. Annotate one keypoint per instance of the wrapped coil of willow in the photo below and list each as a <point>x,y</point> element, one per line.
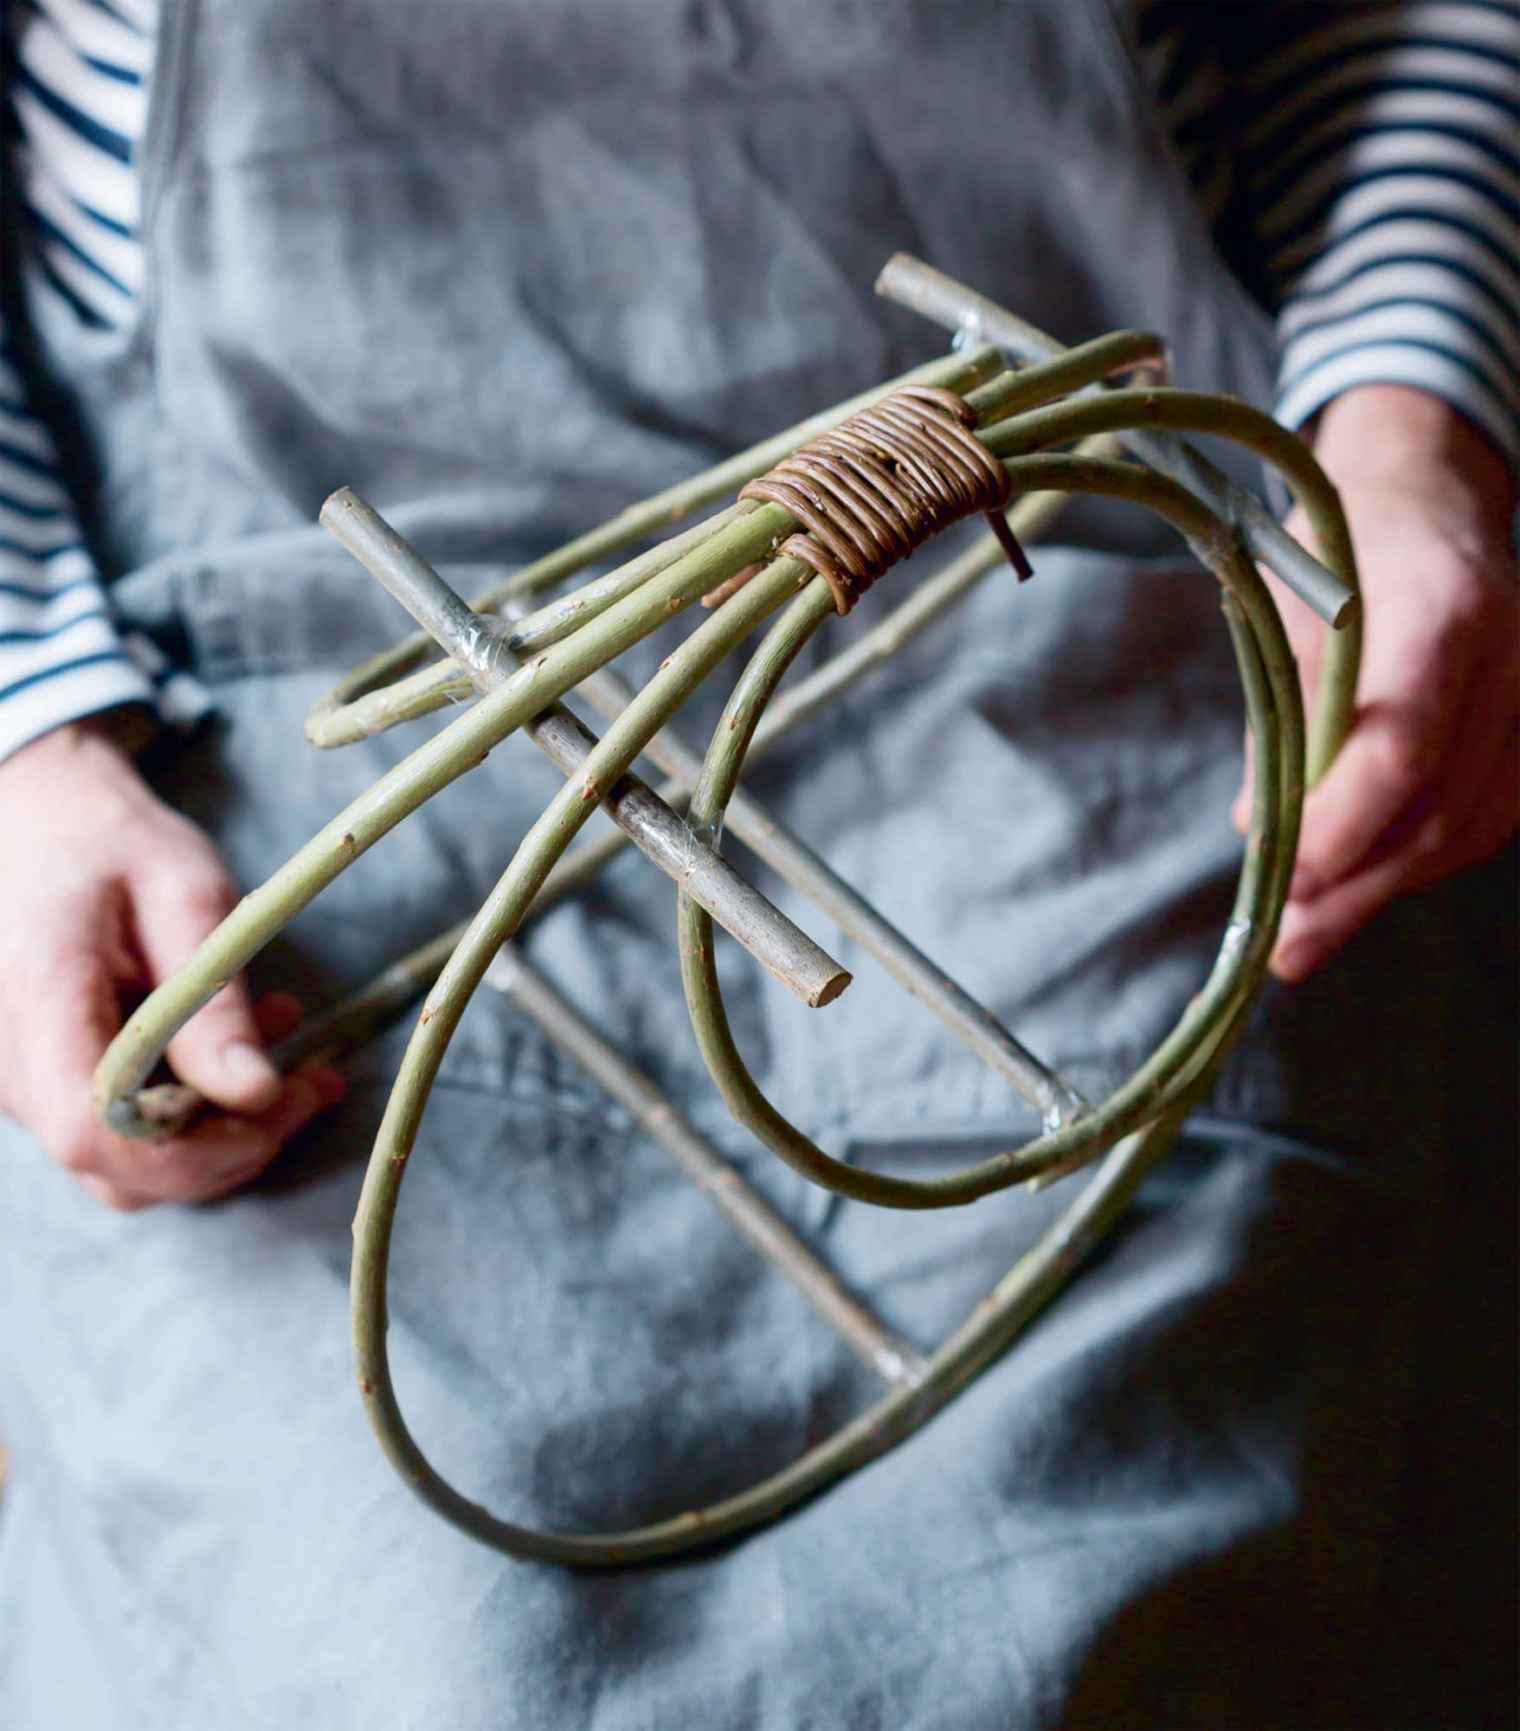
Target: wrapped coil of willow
<point>826,507</point>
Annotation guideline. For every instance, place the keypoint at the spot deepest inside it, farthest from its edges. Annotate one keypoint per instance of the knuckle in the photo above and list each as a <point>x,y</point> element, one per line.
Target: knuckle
<point>1470,616</point>
<point>76,1152</point>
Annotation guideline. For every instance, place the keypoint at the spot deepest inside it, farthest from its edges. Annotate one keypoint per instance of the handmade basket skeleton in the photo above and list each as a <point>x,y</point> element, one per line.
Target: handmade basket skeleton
<point>1019,423</point>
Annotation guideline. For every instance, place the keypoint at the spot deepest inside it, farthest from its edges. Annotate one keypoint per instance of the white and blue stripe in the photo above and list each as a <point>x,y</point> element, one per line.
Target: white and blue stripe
<point>77,75</point>
<point>1361,164</point>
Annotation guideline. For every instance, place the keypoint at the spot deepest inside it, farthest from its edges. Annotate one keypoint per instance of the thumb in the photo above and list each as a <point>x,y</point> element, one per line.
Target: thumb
<point>218,1052</point>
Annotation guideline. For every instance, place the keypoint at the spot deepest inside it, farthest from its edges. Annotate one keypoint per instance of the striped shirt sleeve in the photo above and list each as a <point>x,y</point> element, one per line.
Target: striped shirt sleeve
<point>60,654</point>
<point>76,73</point>
<point>1371,187</point>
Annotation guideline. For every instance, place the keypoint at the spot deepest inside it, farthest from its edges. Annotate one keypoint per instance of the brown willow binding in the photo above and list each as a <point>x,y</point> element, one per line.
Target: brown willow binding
<point>879,485</point>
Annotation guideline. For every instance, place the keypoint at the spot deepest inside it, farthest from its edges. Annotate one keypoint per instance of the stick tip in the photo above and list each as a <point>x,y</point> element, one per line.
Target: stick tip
<point>892,270</point>
<point>340,500</point>
<point>832,988</point>
<point>1346,612</point>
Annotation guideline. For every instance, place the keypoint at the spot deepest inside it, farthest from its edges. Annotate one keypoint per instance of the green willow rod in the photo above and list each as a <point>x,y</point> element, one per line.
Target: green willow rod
<point>461,746</point>
<point>1199,412</point>
<point>355,708</point>
<point>973,318</point>
<point>1237,970</point>
<point>358,707</point>
<point>387,996</point>
<point>1273,703</point>
<point>567,642</point>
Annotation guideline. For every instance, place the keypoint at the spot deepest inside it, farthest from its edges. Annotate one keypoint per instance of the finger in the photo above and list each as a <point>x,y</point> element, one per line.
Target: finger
<point>213,1157</point>
<point>303,1094</point>
<point>219,1154</point>
<point>1400,733</point>
<point>1472,770</point>
<point>74,1021</point>
<point>219,1051</point>
<point>306,1092</point>
<point>1312,932</point>
<point>1442,808</point>
<point>309,1090</point>
<point>1383,766</point>
<point>113,1196</point>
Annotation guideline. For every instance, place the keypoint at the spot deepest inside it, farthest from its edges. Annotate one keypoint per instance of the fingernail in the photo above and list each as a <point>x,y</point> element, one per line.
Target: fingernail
<point>245,1066</point>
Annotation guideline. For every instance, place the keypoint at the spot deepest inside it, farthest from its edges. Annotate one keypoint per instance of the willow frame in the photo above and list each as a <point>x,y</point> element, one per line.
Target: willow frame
<point>520,666</point>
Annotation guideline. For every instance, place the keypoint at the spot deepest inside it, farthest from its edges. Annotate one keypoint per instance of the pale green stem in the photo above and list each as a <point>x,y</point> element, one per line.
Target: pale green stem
<point>461,746</point>
<point>1242,958</point>
<point>1195,411</point>
<point>497,919</point>
<point>939,298</point>
<point>376,1004</point>
<point>334,725</point>
<point>1033,1280</point>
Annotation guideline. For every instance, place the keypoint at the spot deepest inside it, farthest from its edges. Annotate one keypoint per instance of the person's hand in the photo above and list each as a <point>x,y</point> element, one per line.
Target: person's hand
<point>104,889</point>
<point>1428,780</point>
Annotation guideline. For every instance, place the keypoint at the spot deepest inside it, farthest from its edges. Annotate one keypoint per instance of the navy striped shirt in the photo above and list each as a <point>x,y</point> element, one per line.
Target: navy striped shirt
<point>1360,165</point>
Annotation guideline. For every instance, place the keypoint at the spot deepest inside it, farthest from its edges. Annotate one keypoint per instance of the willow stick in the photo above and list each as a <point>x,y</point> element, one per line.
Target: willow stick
<point>798,865</point>
<point>1241,961</point>
<point>484,649</point>
<point>986,1333</point>
<point>955,307</point>
<point>984,1336</point>
<point>459,747</point>
<point>958,372</point>
<point>495,922</point>
<point>335,720</point>
<point>1279,791</point>
<point>867,1336</point>
<point>357,708</point>
<point>1072,369</point>
<point>1227,418</point>
<point>374,1005</point>
<point>1332,593</point>
<point>387,996</point>
<point>347,1024</point>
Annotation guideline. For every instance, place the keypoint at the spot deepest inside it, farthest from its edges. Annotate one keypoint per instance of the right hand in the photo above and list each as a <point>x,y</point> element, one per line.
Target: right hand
<point>103,887</point>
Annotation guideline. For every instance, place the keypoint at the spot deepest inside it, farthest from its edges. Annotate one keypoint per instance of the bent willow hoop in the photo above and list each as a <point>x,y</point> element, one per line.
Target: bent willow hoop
<point>826,507</point>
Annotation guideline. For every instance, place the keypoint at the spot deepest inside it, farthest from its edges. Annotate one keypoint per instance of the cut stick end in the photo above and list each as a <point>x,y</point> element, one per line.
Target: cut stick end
<point>1346,613</point>
<point>341,500</point>
<point>832,988</point>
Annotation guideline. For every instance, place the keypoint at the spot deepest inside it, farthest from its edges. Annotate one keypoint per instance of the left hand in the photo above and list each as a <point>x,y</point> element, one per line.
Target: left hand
<point>1428,780</point>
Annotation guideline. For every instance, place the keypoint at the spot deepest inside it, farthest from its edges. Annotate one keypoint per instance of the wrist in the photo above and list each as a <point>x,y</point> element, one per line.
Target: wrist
<point>91,747</point>
<point>1398,436</point>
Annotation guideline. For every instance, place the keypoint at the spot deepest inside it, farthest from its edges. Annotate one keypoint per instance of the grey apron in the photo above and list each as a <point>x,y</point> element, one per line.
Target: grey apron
<point>504,267</point>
